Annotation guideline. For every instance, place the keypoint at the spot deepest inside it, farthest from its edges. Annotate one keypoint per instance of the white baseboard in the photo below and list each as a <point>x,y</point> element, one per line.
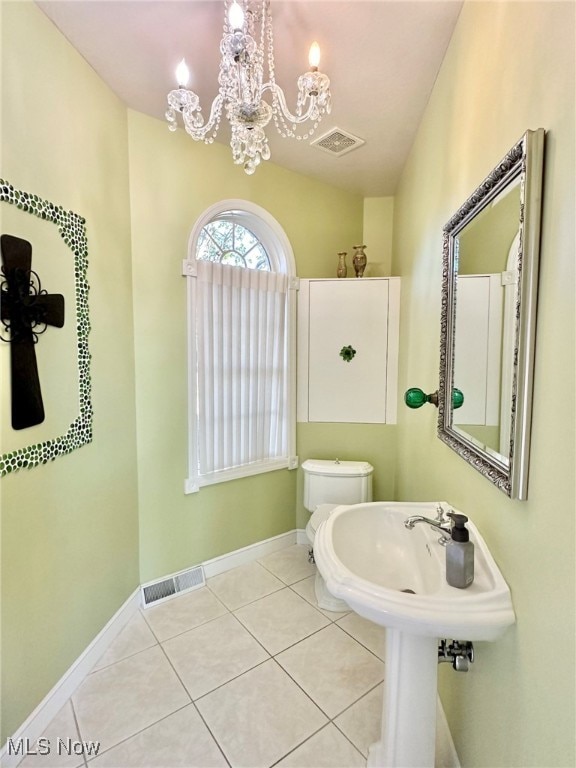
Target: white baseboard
<point>301,537</point>
<point>35,725</point>
<point>248,554</point>
<point>37,722</point>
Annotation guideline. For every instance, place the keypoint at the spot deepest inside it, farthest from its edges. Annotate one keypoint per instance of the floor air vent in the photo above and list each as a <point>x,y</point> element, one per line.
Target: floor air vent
<point>184,581</point>
<point>337,142</point>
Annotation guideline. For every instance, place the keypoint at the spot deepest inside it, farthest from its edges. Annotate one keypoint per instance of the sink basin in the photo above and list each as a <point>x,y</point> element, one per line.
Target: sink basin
<point>396,577</point>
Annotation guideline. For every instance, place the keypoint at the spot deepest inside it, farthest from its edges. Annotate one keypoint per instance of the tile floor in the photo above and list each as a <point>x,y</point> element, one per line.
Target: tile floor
<point>246,671</point>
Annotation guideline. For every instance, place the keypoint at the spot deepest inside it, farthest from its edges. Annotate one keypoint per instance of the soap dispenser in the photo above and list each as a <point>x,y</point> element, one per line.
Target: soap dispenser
<point>459,554</point>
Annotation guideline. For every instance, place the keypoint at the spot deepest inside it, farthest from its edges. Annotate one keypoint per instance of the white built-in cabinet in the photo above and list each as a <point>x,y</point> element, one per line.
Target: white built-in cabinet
<point>362,313</point>
<point>478,347</point>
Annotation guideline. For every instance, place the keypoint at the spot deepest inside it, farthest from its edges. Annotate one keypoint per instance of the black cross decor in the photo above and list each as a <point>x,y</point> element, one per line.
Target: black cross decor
<point>25,310</point>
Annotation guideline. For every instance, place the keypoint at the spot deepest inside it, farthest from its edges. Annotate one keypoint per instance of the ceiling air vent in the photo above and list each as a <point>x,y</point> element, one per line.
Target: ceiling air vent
<point>181,582</point>
<point>337,142</point>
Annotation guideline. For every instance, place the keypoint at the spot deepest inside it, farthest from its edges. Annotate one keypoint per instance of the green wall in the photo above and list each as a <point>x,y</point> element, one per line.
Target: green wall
<point>377,236</point>
<point>71,536</point>
<point>375,443</point>
<point>173,181</point>
<point>70,527</point>
<point>509,67</point>
<point>74,547</point>
<point>485,242</point>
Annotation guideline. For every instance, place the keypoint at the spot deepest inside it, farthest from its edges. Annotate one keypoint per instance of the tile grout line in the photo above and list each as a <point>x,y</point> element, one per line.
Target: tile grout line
<point>141,730</point>
<point>270,657</point>
<point>250,602</point>
<point>330,722</point>
<point>276,574</point>
<point>330,719</point>
<point>178,634</point>
<point>156,722</point>
<point>361,643</point>
<point>291,751</point>
<point>77,724</point>
<point>235,677</point>
<point>232,679</point>
<point>138,732</point>
<point>254,638</point>
<point>124,658</point>
<point>347,707</point>
<point>194,704</point>
<point>303,691</point>
<point>365,757</point>
<point>288,647</point>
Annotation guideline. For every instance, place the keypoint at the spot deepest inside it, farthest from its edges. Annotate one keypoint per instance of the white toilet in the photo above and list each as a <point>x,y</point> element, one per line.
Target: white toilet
<point>328,484</point>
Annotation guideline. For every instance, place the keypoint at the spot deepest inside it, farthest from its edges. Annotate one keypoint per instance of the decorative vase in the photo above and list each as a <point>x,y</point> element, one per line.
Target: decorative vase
<point>359,260</point>
<point>342,270</point>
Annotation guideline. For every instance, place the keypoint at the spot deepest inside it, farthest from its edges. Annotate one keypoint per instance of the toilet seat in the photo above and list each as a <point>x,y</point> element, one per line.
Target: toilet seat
<point>321,513</point>
<point>323,597</point>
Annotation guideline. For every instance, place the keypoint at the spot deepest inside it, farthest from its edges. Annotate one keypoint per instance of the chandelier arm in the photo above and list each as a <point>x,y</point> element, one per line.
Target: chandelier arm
<point>192,118</point>
<point>215,111</point>
<point>278,94</point>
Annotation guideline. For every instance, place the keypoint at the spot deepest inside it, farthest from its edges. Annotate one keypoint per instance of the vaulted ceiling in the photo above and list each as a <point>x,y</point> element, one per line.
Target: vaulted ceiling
<point>382,59</point>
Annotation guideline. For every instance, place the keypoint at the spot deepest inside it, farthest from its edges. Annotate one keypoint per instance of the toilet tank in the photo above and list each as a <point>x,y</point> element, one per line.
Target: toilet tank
<point>336,482</point>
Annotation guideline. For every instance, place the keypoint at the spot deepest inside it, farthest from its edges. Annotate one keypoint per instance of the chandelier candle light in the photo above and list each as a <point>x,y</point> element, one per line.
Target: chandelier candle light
<point>242,87</point>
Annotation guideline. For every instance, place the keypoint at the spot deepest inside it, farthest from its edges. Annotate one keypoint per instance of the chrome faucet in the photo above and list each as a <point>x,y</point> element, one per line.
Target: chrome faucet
<point>442,523</point>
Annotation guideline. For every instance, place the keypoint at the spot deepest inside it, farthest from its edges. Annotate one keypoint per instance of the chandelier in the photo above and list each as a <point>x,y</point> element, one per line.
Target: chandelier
<point>247,49</point>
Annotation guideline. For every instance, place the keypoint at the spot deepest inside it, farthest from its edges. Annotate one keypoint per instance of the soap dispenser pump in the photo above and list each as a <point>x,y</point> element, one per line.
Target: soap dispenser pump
<point>459,554</point>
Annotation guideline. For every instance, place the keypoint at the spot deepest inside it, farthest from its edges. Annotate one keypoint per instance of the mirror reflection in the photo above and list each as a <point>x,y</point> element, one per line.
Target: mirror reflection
<point>486,267</point>
<point>490,272</point>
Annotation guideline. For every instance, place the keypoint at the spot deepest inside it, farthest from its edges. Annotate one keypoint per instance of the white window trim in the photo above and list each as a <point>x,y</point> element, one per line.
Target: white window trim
<point>269,231</point>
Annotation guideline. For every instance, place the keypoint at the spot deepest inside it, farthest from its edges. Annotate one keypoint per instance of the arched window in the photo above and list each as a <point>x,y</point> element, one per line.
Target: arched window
<point>229,242</point>
<point>241,345</point>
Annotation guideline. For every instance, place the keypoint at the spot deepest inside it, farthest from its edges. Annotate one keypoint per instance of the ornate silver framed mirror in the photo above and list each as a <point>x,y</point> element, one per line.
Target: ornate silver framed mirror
<point>489,295</point>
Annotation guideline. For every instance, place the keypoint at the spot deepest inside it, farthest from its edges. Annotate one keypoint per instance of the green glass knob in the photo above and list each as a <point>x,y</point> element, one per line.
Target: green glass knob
<point>416,398</point>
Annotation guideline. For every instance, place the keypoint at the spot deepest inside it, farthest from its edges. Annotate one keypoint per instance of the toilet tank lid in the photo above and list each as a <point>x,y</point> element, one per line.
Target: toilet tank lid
<point>336,467</point>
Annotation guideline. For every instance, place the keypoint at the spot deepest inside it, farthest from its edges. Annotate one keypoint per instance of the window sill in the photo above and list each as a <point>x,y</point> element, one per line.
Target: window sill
<point>193,484</point>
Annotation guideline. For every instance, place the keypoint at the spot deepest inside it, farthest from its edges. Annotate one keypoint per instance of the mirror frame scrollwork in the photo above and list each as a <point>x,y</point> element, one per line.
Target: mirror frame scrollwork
<point>525,160</point>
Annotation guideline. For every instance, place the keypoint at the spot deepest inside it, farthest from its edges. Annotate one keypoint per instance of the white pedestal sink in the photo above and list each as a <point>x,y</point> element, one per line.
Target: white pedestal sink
<point>397,578</point>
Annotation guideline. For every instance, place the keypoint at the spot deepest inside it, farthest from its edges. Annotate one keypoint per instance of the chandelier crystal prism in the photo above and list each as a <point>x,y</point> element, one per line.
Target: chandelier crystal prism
<point>247,50</point>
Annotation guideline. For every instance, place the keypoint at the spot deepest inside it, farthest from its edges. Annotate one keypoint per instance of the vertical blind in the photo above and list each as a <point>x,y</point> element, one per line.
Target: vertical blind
<point>242,367</point>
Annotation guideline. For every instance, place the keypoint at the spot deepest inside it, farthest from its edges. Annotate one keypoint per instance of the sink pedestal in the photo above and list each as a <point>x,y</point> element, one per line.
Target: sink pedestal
<point>396,577</point>
<point>408,738</point>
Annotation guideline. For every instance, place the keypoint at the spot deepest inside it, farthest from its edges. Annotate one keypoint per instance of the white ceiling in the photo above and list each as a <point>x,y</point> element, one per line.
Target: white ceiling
<point>382,58</point>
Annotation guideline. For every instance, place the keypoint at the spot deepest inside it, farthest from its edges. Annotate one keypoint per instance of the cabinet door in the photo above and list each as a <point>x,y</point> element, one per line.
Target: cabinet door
<point>346,313</point>
<point>478,348</point>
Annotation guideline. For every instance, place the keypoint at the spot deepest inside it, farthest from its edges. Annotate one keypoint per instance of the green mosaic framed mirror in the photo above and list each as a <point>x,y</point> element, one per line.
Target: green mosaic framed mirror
<point>60,255</point>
